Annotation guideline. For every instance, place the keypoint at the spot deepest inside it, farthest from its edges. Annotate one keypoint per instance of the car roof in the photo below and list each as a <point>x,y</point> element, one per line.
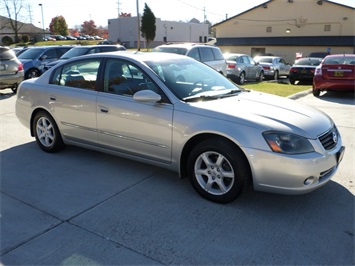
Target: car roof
<point>337,55</point>
<point>139,56</point>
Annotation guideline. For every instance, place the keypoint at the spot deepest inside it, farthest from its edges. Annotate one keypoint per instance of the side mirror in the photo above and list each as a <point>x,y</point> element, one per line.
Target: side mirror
<point>43,57</point>
<point>147,96</point>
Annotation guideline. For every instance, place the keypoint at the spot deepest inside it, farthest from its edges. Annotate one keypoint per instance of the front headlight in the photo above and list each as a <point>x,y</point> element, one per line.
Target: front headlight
<point>287,143</point>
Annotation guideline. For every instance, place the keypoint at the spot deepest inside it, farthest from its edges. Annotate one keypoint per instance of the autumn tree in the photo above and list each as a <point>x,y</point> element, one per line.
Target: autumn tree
<point>148,27</point>
<point>13,8</point>
<point>89,28</point>
<point>59,26</point>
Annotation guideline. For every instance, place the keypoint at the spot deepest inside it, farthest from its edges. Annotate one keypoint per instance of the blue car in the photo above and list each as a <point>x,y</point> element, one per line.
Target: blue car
<point>34,59</point>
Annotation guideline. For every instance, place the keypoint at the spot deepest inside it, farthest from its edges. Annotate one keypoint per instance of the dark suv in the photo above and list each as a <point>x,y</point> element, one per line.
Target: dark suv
<point>35,58</point>
<point>11,69</point>
<point>83,50</point>
<point>209,54</point>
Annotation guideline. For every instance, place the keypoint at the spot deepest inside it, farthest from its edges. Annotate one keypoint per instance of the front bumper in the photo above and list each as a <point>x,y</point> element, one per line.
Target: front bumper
<point>293,174</point>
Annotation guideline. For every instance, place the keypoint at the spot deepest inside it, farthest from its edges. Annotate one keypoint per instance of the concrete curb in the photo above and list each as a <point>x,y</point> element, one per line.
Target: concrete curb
<point>299,94</point>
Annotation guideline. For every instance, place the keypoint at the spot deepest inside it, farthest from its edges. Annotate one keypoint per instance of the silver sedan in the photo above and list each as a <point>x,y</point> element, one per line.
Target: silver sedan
<point>175,112</point>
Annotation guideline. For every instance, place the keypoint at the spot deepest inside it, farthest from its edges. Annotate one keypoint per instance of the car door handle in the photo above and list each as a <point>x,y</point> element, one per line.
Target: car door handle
<point>104,109</point>
<point>52,98</point>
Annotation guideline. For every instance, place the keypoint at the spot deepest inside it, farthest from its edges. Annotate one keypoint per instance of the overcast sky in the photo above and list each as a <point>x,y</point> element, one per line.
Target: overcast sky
<point>76,12</point>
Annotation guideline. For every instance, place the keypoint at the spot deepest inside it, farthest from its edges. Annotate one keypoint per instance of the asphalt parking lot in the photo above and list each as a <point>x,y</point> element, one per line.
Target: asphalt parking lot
<point>80,207</point>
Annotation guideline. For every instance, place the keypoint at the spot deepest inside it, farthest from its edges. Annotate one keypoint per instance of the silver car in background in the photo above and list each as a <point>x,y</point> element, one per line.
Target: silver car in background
<point>175,112</point>
<point>241,67</point>
<point>11,69</point>
<point>274,66</point>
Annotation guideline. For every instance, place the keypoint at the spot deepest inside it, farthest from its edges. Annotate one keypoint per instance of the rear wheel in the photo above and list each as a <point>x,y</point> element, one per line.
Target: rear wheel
<point>316,92</point>
<point>47,133</point>
<point>292,81</point>
<point>32,73</point>
<point>217,171</point>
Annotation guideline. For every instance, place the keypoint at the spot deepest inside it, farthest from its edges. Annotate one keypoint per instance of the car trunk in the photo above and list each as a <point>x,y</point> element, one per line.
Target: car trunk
<point>343,72</point>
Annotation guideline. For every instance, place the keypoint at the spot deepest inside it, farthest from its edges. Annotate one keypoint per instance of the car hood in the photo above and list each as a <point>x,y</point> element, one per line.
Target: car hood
<point>267,112</point>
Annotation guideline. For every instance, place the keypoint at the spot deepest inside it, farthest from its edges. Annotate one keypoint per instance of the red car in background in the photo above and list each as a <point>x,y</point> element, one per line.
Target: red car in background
<point>335,73</point>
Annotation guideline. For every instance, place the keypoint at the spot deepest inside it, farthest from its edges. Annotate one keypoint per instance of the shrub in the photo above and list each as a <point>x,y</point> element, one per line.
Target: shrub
<point>6,40</point>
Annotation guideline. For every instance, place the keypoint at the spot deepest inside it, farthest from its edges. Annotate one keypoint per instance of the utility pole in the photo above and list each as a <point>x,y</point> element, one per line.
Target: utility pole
<point>118,8</point>
<point>139,28</point>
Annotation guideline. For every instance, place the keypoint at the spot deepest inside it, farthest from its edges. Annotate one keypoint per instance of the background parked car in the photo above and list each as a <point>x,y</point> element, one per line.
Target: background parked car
<point>208,54</point>
<point>335,73</point>
<point>83,50</point>
<point>303,69</point>
<point>36,58</point>
<point>241,67</point>
<point>11,69</point>
<point>274,66</point>
<point>318,54</point>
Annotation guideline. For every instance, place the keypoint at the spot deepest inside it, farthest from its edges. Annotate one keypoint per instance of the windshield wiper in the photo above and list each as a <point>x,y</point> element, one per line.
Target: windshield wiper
<point>207,96</point>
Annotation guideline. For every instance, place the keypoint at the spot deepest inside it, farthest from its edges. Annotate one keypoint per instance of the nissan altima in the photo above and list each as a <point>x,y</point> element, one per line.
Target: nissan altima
<point>175,112</point>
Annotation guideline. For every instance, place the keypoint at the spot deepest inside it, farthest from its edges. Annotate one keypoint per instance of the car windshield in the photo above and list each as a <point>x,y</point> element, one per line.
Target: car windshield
<point>342,60</point>
<point>174,50</point>
<point>75,52</point>
<point>308,62</point>
<point>31,53</point>
<point>191,80</point>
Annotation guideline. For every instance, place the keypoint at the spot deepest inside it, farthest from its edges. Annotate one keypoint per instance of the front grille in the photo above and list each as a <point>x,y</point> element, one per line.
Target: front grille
<point>329,139</point>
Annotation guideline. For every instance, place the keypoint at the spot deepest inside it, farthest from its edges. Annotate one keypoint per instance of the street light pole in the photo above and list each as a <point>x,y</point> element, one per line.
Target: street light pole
<point>139,29</point>
<point>42,19</point>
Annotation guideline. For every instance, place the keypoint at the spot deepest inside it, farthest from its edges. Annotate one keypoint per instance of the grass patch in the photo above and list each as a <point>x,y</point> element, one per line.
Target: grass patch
<point>282,89</point>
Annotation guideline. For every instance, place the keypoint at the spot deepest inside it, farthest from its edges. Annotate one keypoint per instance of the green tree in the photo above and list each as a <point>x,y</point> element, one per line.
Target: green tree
<point>148,27</point>
<point>59,26</point>
<point>89,28</point>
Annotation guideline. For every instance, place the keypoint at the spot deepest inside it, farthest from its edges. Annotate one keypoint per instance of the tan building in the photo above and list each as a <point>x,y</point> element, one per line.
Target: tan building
<point>287,27</point>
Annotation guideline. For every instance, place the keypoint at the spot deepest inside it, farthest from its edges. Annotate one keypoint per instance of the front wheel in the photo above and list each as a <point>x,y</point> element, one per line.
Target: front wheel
<point>217,171</point>
<point>260,77</point>
<point>47,133</point>
<point>276,75</point>
<point>241,78</point>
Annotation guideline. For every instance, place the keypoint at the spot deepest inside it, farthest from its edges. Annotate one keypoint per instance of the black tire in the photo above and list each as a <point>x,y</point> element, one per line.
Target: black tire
<point>32,73</point>
<point>47,133</point>
<point>292,81</point>
<point>241,78</point>
<point>276,75</point>
<point>316,92</point>
<point>14,89</point>
<point>261,77</point>
<point>217,171</point>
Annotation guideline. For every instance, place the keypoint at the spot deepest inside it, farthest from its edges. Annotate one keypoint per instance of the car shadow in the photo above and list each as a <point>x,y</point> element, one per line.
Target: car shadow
<point>90,189</point>
<point>343,97</point>
<point>6,93</point>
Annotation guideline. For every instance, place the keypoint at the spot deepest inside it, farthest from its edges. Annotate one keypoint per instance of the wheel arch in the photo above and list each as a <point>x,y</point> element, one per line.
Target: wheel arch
<point>199,138</point>
<point>33,115</point>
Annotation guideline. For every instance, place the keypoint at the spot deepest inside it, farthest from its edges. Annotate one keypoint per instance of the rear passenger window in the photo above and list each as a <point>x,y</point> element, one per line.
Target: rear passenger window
<point>79,74</point>
<point>206,54</point>
<point>217,54</point>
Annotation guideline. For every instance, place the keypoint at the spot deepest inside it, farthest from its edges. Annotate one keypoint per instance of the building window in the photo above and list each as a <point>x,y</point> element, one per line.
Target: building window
<point>268,29</point>
<point>327,27</point>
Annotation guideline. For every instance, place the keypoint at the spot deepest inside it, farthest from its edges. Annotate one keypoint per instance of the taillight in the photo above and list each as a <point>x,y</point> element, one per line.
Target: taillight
<point>318,71</point>
<point>20,67</point>
<point>293,70</point>
<point>231,65</point>
<point>312,70</point>
<point>266,67</point>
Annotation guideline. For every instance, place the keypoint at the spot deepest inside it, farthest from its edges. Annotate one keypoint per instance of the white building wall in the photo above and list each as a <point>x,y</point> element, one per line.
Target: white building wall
<point>125,30</point>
